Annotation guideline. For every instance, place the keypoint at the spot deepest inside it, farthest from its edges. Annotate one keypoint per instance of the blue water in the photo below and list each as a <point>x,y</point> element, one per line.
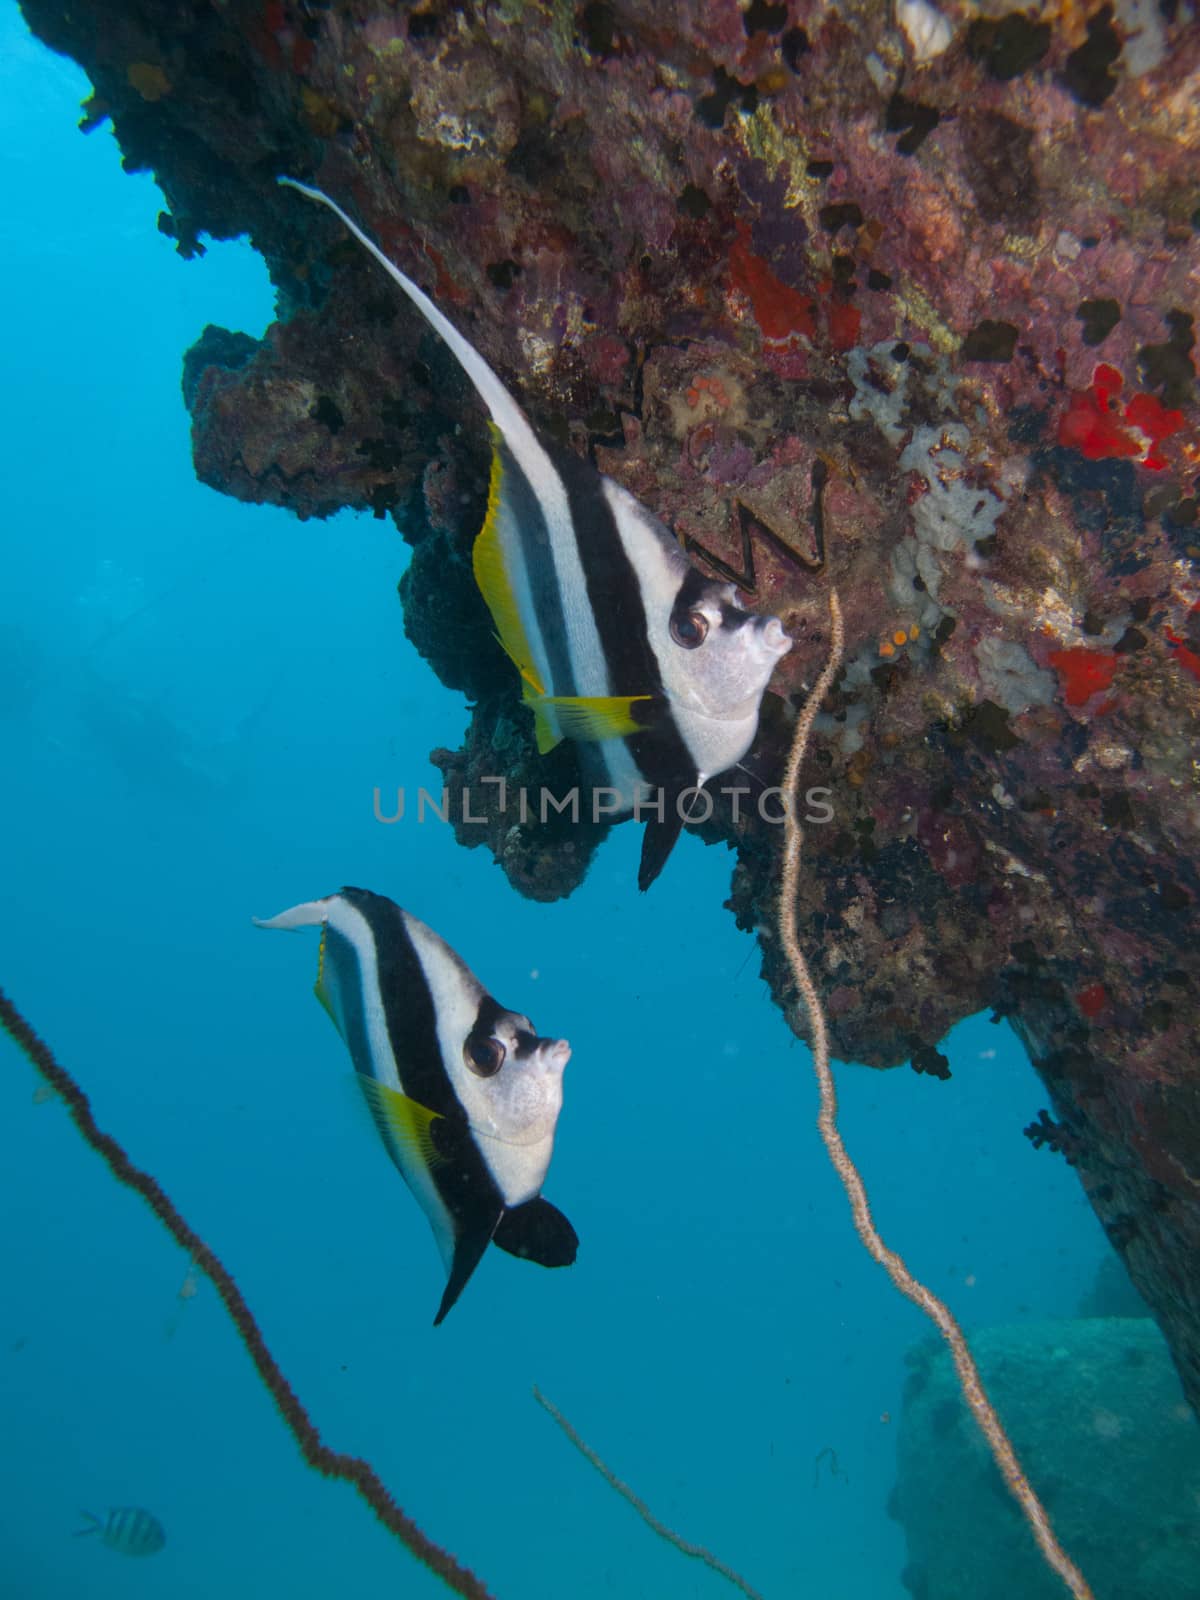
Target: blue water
<point>196,700</point>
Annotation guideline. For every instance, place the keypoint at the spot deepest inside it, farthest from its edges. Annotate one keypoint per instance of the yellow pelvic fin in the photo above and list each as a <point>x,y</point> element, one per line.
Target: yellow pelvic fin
<point>401,1121</point>
<point>608,716</point>
<point>491,574</point>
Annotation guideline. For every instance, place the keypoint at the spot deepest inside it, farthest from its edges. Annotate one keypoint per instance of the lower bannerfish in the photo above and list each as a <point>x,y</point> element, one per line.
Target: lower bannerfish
<point>130,1530</point>
<point>464,1094</point>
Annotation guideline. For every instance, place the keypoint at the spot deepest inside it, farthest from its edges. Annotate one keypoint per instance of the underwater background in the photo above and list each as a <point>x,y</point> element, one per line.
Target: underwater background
<point>197,700</point>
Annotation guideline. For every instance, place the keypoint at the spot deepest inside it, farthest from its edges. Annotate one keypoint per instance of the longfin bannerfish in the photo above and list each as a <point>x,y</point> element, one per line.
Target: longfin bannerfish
<point>463,1093</point>
<point>129,1530</point>
<point>619,641</point>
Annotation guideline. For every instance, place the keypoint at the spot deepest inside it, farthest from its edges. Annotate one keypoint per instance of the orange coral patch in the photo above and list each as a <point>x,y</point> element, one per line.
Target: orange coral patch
<point>1092,1000</point>
<point>1089,427</point>
<point>844,324</point>
<point>1091,423</point>
<point>1187,659</point>
<point>1084,672</point>
<point>779,310</point>
<point>1153,419</point>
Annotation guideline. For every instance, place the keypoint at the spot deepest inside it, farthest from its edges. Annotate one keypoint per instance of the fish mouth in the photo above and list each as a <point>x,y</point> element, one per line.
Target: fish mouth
<point>556,1054</point>
<point>770,631</point>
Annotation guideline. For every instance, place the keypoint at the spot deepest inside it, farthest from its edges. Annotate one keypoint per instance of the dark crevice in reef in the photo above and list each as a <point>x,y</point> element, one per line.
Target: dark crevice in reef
<point>679,249</point>
<point>1008,45</point>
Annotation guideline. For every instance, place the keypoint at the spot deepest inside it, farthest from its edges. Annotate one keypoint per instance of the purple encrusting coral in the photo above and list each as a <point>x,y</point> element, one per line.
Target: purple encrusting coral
<point>908,306</point>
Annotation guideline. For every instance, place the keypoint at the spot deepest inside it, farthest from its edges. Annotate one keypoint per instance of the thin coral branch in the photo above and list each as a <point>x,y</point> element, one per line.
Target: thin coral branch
<point>319,1456</point>
<point>936,1310</point>
<point>696,1551</point>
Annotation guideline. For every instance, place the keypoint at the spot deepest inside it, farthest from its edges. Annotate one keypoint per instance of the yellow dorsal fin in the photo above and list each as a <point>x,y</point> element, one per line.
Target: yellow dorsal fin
<point>401,1121</point>
<point>608,716</point>
<point>320,988</point>
<point>491,574</point>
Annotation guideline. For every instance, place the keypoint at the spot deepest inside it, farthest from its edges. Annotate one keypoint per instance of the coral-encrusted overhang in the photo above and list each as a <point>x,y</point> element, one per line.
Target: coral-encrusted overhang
<point>922,328</point>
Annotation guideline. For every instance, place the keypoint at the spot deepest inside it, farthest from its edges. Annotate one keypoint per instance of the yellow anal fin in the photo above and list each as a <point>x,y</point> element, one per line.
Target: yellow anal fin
<point>608,716</point>
<point>491,574</point>
<point>401,1121</point>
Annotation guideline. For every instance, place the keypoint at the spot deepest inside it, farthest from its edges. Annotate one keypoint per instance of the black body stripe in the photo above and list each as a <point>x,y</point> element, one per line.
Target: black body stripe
<point>615,598</point>
<point>540,572</point>
<point>470,1195</point>
<point>466,1187</point>
<point>407,1003</point>
<point>487,1017</point>
<point>691,591</point>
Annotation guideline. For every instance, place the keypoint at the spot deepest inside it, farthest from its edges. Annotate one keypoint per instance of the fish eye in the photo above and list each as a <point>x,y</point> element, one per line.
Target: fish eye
<point>690,629</point>
<point>483,1055</point>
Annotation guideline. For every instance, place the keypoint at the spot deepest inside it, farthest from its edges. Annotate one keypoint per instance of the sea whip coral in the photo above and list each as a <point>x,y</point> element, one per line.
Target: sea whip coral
<point>697,1551</point>
<point>332,1463</point>
<point>939,1314</point>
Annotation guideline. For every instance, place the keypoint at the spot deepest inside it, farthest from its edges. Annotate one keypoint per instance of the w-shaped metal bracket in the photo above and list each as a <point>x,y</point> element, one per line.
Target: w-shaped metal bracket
<point>752,527</point>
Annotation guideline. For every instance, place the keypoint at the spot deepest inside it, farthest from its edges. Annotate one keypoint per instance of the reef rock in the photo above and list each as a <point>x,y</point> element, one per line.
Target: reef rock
<point>899,300</point>
<point>1096,1414</point>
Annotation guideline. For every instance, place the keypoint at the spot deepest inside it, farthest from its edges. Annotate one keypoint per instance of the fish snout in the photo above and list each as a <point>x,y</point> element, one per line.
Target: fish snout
<point>773,637</point>
<point>555,1054</point>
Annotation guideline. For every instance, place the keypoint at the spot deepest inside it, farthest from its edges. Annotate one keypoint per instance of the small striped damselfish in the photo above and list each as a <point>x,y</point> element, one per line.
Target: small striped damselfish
<point>619,641</point>
<point>129,1530</point>
<point>464,1094</point>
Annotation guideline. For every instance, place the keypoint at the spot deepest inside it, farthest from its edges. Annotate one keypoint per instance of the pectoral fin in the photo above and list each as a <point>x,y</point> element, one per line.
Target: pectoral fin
<point>538,1231</point>
<point>405,1126</point>
<point>590,717</point>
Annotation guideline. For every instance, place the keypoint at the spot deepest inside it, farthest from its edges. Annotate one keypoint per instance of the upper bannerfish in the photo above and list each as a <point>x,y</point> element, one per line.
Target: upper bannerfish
<point>620,642</point>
